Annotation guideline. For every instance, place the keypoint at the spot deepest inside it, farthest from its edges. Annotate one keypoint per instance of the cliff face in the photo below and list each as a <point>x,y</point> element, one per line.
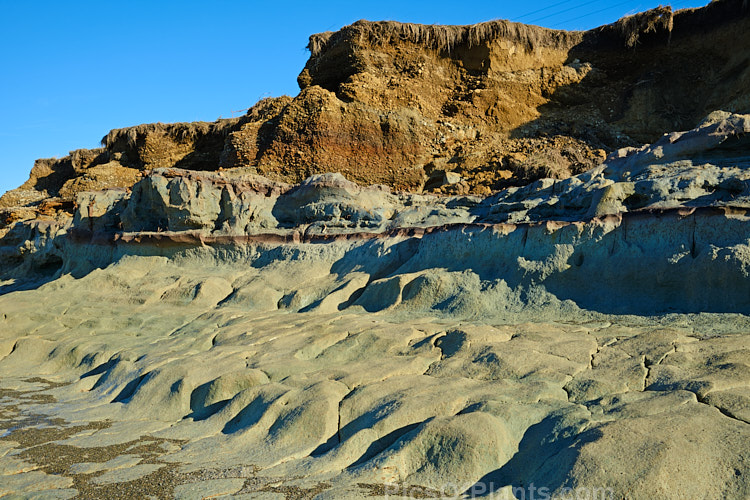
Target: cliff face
<point>479,89</point>
<point>332,297</point>
<point>498,104</point>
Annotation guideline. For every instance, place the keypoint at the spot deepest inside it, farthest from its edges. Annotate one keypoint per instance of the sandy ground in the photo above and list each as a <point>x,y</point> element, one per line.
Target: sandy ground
<point>143,380</point>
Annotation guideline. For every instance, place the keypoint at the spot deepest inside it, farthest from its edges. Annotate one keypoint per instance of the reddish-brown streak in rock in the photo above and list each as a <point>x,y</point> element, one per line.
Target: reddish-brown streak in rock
<point>196,238</point>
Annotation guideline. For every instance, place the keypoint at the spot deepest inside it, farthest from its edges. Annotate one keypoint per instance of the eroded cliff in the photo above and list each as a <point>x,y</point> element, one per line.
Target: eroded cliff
<point>498,104</point>
<point>432,274</point>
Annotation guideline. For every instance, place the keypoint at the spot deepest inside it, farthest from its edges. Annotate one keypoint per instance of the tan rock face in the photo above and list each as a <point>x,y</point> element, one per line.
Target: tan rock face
<point>105,176</point>
<point>388,103</point>
<point>318,133</point>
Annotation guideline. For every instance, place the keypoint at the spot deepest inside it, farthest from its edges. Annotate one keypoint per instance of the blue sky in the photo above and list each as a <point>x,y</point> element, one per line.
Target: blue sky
<point>73,70</point>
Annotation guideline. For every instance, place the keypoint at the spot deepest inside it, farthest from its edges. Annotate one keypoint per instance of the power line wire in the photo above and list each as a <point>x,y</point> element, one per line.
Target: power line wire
<point>682,5</point>
<point>541,10</point>
<point>675,6</point>
<point>563,11</point>
<point>591,13</point>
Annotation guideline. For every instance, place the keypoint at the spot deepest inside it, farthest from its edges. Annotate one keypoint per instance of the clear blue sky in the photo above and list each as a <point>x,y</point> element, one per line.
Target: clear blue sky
<point>73,70</point>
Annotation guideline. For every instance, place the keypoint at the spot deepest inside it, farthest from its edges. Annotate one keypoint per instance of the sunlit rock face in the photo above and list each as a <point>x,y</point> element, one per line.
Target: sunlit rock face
<point>177,330</point>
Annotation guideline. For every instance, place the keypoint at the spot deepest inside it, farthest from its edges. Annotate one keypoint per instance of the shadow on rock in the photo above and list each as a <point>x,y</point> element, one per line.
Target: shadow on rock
<point>546,454</point>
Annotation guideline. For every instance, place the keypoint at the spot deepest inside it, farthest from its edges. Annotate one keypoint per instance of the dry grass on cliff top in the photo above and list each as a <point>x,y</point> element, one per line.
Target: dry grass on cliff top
<point>632,27</point>
<point>445,38</point>
<point>181,132</point>
<point>190,131</point>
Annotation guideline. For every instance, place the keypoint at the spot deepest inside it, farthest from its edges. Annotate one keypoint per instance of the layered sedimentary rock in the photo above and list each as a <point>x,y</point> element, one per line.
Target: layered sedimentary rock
<point>226,333</point>
<point>498,104</point>
<point>671,215</point>
<point>296,325</point>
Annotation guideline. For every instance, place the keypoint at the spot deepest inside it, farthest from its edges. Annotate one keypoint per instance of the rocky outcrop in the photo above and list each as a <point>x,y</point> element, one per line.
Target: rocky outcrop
<point>52,188</point>
<point>672,215</point>
<point>274,329</point>
<point>703,167</point>
<point>499,104</point>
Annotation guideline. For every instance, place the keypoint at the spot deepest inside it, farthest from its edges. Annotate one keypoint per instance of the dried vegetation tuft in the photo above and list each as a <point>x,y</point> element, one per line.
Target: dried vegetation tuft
<point>445,38</point>
<point>180,132</point>
<point>632,27</point>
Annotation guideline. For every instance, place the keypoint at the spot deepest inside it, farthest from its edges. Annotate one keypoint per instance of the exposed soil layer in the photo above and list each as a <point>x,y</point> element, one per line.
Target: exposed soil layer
<point>447,109</point>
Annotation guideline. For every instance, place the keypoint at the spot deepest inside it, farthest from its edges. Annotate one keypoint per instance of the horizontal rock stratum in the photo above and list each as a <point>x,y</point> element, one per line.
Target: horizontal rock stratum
<point>313,329</point>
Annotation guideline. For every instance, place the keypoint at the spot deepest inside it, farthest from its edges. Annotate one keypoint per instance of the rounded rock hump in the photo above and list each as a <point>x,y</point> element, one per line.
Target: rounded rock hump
<point>334,201</point>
